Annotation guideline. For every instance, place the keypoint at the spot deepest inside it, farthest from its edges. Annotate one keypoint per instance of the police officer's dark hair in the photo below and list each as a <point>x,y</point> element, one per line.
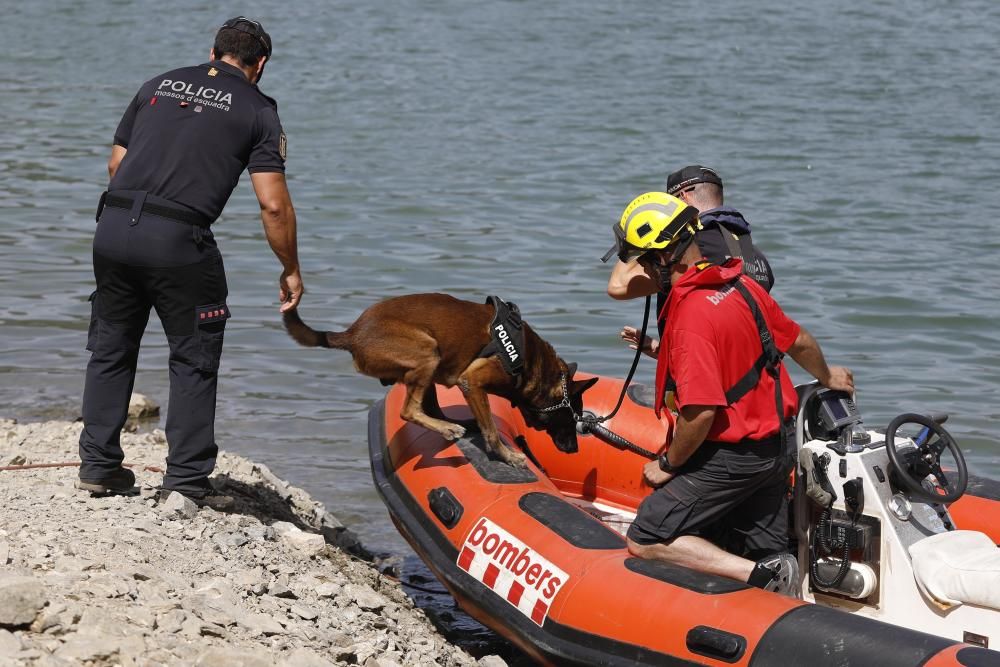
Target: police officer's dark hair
<point>246,48</point>
<point>704,196</point>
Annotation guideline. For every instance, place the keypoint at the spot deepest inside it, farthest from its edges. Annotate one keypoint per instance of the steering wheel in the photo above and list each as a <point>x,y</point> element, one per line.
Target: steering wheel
<point>931,443</point>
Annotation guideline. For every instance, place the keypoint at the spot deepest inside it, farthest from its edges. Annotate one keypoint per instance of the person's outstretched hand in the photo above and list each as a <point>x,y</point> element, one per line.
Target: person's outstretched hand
<point>650,346</point>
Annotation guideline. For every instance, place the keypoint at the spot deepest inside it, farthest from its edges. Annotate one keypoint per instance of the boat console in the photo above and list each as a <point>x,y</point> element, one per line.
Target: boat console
<point>871,519</point>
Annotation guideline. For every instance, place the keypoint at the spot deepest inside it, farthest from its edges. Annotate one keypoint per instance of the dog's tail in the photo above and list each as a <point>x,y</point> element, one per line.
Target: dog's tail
<point>303,334</point>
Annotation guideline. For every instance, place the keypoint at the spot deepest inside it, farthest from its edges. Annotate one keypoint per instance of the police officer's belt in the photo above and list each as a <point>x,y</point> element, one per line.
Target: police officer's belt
<point>179,215</point>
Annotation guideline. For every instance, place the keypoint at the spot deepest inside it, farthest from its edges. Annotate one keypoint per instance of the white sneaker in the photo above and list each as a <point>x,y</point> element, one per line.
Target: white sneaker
<point>786,575</point>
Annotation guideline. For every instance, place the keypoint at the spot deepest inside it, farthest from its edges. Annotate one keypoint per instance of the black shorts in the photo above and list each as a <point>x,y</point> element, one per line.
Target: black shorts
<point>733,495</point>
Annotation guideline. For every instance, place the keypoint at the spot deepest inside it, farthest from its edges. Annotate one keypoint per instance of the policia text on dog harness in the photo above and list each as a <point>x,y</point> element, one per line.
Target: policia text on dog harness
<point>507,332</point>
<point>769,360</point>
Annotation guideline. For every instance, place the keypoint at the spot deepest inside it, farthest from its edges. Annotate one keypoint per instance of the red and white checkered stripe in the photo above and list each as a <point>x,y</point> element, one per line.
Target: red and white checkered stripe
<point>532,591</point>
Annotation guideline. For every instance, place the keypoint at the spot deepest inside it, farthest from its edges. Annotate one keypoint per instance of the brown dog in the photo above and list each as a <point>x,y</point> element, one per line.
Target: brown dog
<point>423,339</point>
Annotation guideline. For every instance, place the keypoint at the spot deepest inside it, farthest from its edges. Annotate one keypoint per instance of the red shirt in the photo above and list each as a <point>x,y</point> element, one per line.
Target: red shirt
<point>711,341</point>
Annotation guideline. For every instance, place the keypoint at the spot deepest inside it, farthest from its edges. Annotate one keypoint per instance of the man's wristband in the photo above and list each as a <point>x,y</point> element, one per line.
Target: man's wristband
<point>665,465</point>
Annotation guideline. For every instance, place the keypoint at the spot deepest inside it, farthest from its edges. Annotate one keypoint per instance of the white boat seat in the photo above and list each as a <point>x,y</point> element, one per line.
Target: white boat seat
<point>960,566</point>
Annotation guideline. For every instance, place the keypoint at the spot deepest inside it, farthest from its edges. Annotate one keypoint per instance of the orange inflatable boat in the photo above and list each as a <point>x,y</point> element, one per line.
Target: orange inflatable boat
<point>538,554</point>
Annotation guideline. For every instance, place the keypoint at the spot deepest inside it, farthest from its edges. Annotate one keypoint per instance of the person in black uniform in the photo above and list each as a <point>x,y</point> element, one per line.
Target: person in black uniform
<point>724,233</point>
<point>178,154</point>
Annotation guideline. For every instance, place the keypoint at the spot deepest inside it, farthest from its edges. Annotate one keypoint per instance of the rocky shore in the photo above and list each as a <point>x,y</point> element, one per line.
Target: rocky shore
<point>263,576</point>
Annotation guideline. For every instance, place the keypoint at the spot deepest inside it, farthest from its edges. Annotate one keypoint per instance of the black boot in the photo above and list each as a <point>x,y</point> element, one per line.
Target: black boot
<point>121,480</point>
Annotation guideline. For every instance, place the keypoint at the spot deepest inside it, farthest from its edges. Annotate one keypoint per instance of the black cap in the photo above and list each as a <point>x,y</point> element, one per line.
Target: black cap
<point>690,175</point>
<point>250,27</point>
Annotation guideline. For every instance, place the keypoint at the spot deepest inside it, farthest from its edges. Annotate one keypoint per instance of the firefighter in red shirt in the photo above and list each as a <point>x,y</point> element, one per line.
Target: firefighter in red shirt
<point>721,505</point>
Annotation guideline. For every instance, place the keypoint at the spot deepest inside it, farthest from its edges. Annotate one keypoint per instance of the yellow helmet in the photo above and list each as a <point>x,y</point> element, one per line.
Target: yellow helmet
<point>651,221</point>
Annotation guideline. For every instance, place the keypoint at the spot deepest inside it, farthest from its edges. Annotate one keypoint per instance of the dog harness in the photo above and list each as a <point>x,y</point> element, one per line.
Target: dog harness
<point>507,336</point>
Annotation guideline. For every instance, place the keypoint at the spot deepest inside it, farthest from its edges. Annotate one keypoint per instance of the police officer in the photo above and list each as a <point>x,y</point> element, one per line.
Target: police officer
<point>178,154</point>
<point>723,233</point>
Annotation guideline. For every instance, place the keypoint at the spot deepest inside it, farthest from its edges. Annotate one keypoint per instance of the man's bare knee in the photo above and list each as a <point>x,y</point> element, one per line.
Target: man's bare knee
<point>658,551</point>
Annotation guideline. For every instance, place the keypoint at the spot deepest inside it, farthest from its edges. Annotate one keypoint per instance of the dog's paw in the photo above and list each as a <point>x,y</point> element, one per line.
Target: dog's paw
<point>453,431</point>
<point>512,457</point>
<point>470,425</point>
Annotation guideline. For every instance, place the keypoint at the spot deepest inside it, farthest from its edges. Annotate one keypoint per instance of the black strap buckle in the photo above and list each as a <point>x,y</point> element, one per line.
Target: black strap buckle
<point>136,212</point>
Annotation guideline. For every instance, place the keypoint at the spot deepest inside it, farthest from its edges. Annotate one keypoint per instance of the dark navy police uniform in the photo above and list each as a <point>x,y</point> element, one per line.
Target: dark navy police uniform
<point>189,134</point>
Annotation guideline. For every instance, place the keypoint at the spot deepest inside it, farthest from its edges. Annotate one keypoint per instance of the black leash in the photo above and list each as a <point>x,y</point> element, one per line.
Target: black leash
<point>591,423</point>
<point>588,422</point>
<point>612,438</point>
<point>631,372</point>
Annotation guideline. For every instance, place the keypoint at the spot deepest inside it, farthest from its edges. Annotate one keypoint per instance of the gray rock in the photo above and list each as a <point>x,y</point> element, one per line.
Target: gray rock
<point>4,553</point>
<point>49,618</point>
<point>88,647</point>
<point>308,543</point>
<point>98,622</point>
<point>327,520</point>
<point>110,585</point>
<point>303,657</point>
<point>303,611</point>
<point>178,506</point>
<point>21,599</point>
<point>9,644</point>
<point>491,661</point>
<point>362,651</point>
<point>142,616</point>
<point>388,659</point>
<point>171,621</point>
<point>212,610</point>
<point>364,597</point>
<point>230,540</point>
<point>280,485</point>
<point>145,525</point>
<point>247,578</point>
<point>73,564</point>
<point>282,528</point>
<point>346,540</point>
<point>195,628</point>
<point>338,639</point>
<point>228,657</point>
<point>280,590</point>
<point>258,534</point>
<point>328,589</point>
<point>142,407</point>
<point>261,624</point>
<point>131,649</point>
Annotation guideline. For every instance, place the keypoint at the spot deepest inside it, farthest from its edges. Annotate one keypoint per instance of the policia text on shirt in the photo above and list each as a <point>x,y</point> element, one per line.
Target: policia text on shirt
<point>178,154</point>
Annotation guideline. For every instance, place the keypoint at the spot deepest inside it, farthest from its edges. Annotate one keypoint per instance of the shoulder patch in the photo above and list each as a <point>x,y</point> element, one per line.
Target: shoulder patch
<point>212,71</point>
<point>283,146</point>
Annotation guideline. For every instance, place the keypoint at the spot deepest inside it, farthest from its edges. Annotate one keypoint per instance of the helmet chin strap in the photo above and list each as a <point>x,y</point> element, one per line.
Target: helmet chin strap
<point>675,256</point>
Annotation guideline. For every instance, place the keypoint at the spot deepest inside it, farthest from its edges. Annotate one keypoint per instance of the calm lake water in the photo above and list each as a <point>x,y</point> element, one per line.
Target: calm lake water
<point>479,147</point>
